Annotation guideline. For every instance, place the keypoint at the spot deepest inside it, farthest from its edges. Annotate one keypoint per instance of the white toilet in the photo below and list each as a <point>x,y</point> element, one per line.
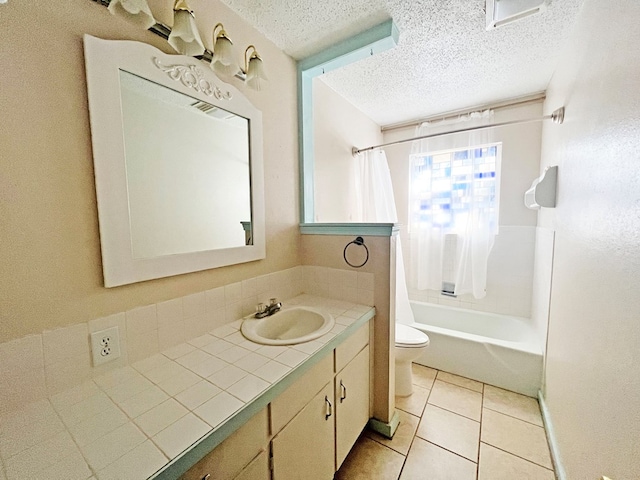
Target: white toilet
<point>410,343</point>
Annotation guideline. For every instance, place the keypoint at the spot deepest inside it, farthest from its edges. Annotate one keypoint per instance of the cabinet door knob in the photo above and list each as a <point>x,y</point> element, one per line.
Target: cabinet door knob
<point>343,392</point>
<point>329,408</point>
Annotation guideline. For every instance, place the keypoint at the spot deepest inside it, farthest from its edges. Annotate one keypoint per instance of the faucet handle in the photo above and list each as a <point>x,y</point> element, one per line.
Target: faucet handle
<point>274,301</point>
<point>261,308</point>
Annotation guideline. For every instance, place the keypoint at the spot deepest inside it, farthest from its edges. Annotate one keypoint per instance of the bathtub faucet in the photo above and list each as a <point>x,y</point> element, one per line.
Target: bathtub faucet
<point>268,310</point>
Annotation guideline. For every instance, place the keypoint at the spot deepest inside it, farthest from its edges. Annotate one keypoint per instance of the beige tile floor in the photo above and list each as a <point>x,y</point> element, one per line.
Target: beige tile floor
<point>454,428</point>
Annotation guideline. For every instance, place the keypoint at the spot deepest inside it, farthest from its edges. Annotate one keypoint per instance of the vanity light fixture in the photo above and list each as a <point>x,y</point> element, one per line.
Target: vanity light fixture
<point>222,56</point>
<point>184,36</point>
<point>254,73</point>
<point>185,39</point>
<point>135,11</point>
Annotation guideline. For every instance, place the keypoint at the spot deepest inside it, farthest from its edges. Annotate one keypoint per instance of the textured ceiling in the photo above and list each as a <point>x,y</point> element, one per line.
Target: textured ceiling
<point>445,59</point>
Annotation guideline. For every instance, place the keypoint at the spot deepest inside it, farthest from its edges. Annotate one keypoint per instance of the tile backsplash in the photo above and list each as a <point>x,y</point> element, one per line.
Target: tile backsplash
<point>38,366</point>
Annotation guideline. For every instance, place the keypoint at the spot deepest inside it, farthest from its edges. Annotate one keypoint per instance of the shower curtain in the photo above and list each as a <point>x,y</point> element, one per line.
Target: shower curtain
<point>376,204</point>
<point>456,254</point>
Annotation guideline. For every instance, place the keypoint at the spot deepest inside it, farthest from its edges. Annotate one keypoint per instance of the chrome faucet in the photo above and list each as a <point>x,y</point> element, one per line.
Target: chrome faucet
<point>267,310</point>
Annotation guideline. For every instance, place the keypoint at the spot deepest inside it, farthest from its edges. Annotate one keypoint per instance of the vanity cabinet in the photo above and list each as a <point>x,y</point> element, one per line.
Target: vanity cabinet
<point>315,442</point>
<point>308,429</point>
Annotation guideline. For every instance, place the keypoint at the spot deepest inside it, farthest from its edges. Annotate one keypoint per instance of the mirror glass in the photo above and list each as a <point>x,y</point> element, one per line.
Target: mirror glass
<point>187,170</point>
<point>178,164</point>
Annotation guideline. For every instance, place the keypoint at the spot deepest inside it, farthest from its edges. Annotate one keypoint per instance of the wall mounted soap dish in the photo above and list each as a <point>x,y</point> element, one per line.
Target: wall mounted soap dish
<point>543,190</point>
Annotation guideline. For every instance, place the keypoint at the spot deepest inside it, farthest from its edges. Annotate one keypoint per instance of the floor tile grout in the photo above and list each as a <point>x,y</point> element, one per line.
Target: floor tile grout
<point>445,448</point>
<point>455,413</point>
<point>480,432</point>
<point>461,386</point>
<point>511,416</point>
<point>451,411</point>
<point>518,456</point>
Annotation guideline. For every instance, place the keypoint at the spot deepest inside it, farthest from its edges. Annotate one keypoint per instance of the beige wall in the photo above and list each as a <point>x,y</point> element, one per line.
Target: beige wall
<point>338,126</point>
<point>327,251</point>
<point>593,360</point>
<point>50,271</point>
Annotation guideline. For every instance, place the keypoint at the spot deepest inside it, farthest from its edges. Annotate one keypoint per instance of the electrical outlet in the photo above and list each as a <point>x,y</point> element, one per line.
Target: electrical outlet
<point>105,345</point>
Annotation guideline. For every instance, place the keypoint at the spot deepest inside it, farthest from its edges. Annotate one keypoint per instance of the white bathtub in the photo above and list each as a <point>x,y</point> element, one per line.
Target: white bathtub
<point>495,349</point>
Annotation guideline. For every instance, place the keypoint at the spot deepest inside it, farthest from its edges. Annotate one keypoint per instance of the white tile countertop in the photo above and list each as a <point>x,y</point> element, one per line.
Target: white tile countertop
<point>158,417</point>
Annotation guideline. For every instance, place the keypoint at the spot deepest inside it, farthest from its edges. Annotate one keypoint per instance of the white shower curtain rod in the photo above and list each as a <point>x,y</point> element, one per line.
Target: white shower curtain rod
<point>557,117</point>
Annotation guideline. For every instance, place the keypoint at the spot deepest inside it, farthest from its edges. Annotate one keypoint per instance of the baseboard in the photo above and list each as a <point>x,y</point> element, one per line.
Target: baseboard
<point>385,429</point>
<point>551,438</point>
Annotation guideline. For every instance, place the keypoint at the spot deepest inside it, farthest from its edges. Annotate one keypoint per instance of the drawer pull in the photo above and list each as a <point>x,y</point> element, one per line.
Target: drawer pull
<point>329,408</point>
<point>343,392</point>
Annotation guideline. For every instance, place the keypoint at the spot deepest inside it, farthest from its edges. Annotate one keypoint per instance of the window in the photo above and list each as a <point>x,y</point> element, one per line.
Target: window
<point>452,187</point>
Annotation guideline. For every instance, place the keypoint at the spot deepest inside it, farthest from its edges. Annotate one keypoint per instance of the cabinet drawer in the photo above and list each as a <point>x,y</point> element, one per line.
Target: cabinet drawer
<point>294,398</point>
<point>352,346</point>
<point>228,459</point>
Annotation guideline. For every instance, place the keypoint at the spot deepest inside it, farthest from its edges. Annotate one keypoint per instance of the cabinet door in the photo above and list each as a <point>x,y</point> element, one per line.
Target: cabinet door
<point>352,403</point>
<point>289,403</point>
<point>305,447</point>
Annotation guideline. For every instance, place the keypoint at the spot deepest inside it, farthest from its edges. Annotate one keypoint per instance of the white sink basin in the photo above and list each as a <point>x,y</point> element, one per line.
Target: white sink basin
<point>289,326</point>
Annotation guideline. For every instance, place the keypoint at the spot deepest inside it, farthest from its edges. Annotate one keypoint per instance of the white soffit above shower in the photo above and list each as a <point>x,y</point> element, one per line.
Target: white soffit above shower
<point>445,60</point>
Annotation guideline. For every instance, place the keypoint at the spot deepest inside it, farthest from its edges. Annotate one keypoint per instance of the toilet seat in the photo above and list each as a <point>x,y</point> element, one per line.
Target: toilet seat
<point>409,337</point>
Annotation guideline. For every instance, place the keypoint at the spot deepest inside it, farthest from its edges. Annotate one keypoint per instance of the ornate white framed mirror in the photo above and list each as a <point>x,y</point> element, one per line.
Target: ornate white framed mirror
<point>178,164</point>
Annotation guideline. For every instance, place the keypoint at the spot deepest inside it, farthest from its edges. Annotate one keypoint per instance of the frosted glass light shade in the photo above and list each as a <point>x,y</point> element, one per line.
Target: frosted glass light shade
<point>256,75</point>
<point>223,58</point>
<point>184,36</point>
<point>134,11</point>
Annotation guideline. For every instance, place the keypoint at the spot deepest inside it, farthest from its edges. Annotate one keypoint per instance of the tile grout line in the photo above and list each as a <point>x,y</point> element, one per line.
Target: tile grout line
<point>505,451</point>
<point>130,420</point>
<point>386,446</point>
<point>511,416</point>
<point>456,413</point>
<point>413,439</point>
<point>480,432</point>
<point>462,386</point>
<point>415,435</point>
<point>450,451</point>
<point>518,456</point>
<point>94,473</point>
